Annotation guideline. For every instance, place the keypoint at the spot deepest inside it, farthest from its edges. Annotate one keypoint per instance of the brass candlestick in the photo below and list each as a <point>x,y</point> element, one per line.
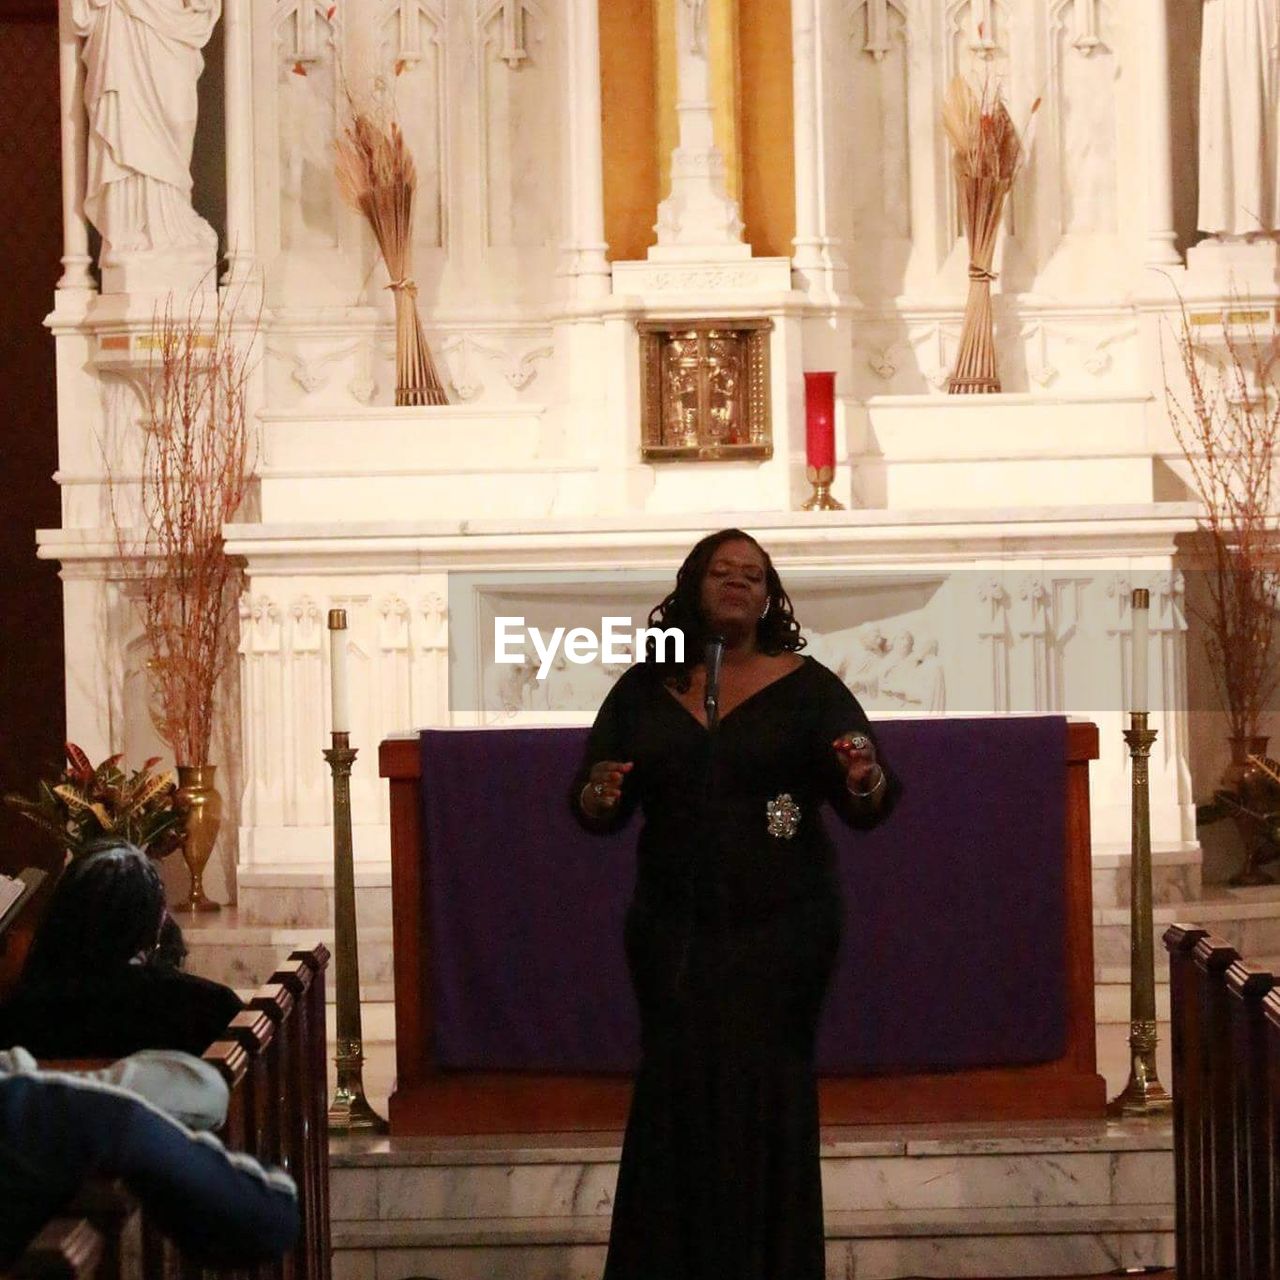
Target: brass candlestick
<point>1144,1095</point>
<point>821,478</point>
<point>350,1109</point>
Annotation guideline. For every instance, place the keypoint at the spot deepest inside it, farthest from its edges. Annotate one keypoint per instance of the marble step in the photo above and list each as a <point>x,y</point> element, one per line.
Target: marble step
<point>1249,919</point>
<point>870,1246</point>
<point>962,1200</point>
<point>243,956</point>
<point>1175,875</point>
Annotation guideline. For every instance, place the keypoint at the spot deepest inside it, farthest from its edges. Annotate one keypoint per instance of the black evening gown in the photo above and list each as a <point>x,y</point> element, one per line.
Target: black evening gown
<point>730,939</point>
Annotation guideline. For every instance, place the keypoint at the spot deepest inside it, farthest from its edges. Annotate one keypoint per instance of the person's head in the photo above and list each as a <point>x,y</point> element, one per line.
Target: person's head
<point>106,911</point>
<point>727,586</point>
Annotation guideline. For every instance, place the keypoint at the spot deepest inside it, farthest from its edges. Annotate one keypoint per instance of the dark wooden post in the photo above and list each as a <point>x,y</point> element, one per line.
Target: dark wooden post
<point>1213,958</point>
<point>1187,1085</point>
<point>313,1106</point>
<point>1271,1209</point>
<point>65,1249</point>
<point>1246,988</point>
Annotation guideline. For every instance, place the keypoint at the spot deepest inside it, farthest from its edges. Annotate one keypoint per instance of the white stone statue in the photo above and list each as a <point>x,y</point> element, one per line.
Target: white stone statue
<point>142,62</point>
<point>1240,118</point>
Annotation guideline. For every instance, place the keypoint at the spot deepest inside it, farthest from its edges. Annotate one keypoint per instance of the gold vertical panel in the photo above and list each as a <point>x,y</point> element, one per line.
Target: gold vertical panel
<point>628,105</point>
<point>638,90</point>
<point>667,92</point>
<point>766,126</point>
<point>722,41</point>
<point>722,27</point>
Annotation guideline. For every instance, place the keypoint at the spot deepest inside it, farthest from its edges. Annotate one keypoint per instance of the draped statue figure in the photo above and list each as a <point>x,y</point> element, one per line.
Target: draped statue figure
<point>142,62</point>
<point>1240,118</point>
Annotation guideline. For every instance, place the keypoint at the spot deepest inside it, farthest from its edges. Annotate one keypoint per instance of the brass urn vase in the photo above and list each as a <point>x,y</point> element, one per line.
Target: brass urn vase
<point>1246,782</point>
<point>204,818</point>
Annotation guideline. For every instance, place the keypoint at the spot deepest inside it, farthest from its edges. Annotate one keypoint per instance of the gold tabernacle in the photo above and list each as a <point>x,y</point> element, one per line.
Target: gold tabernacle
<point>705,390</point>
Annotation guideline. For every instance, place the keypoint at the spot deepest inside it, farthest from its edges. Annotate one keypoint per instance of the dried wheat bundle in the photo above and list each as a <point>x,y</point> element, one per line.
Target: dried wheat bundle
<point>377,177</point>
<point>986,154</point>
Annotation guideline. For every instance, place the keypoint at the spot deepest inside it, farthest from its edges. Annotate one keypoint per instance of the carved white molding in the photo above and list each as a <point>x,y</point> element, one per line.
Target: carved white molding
<point>309,25</point>
<point>393,628</point>
<point>514,14</point>
<point>305,36</point>
<point>519,366</point>
<point>1087,26</point>
<point>1044,618</point>
<point>1046,342</point>
<point>434,610</point>
<point>410,17</point>
<point>876,15</point>
<point>415,45</point>
<point>309,369</point>
<point>993,632</point>
<point>976,22</point>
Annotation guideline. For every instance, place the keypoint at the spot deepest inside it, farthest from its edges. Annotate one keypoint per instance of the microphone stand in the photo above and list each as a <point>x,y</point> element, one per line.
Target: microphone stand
<point>711,694</point>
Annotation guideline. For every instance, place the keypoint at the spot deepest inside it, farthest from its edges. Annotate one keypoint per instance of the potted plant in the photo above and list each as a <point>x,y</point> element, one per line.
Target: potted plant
<point>196,465</point>
<point>85,803</point>
<point>1227,422</point>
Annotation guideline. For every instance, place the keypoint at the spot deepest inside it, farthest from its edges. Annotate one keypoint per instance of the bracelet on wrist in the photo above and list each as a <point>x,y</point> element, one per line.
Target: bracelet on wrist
<point>866,795</point>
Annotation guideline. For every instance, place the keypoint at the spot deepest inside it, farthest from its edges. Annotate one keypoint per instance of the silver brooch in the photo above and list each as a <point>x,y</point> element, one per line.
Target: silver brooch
<point>782,817</point>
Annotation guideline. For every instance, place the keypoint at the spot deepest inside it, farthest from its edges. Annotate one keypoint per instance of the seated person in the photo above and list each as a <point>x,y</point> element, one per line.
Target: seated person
<point>58,1129</point>
<point>101,980</point>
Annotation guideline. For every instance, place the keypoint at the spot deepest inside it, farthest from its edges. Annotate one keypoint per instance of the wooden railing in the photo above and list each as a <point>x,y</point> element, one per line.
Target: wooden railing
<point>1226,1117</point>
<point>273,1059</point>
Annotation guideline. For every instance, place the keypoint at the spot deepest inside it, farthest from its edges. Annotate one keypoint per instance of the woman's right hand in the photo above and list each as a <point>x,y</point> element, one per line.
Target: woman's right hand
<point>604,787</point>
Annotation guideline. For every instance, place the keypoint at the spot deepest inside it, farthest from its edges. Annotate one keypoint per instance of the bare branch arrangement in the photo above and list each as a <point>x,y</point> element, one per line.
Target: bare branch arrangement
<point>986,154</point>
<point>197,463</point>
<point>1228,427</point>
<point>378,178</point>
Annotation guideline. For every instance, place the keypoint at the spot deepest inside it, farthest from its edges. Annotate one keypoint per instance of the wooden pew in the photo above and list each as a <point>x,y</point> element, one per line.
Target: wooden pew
<point>272,1057</point>
<point>1188,1086</point>
<point>65,1249</point>
<point>1247,987</point>
<point>1271,1136</point>
<point>1226,1117</point>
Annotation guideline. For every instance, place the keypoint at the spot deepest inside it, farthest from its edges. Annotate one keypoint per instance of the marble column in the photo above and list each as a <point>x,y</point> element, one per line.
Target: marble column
<point>237,34</point>
<point>1153,31</point>
<point>76,259</point>
<point>818,267</point>
<point>585,252</point>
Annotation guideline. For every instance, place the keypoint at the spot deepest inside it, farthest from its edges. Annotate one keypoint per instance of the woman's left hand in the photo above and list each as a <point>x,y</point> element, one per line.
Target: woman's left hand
<point>857,757</point>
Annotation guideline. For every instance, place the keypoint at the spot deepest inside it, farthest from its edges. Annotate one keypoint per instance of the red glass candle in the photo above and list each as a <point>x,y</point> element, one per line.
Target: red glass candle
<point>820,419</point>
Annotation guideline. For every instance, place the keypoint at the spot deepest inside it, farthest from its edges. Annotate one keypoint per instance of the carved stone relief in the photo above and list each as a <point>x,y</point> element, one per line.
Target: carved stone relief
<point>413,44</point>
<point>519,124</point>
<point>305,34</point>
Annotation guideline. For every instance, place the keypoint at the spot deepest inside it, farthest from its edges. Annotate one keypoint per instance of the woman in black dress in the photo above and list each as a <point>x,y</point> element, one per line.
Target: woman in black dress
<point>735,923</point>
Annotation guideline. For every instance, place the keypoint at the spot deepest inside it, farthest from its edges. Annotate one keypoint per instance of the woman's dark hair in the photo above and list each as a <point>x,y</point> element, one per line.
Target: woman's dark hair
<point>106,909</point>
<point>777,632</point>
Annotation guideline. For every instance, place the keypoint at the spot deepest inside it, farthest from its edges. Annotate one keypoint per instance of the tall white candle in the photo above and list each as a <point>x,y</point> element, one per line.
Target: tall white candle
<point>1141,602</point>
<point>339,699</point>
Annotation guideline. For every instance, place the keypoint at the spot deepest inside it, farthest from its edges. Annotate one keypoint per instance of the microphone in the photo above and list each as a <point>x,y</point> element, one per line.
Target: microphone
<point>711,698</point>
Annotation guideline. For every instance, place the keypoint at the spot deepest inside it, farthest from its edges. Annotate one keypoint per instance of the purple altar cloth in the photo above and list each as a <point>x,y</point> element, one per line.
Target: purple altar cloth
<point>953,953</point>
